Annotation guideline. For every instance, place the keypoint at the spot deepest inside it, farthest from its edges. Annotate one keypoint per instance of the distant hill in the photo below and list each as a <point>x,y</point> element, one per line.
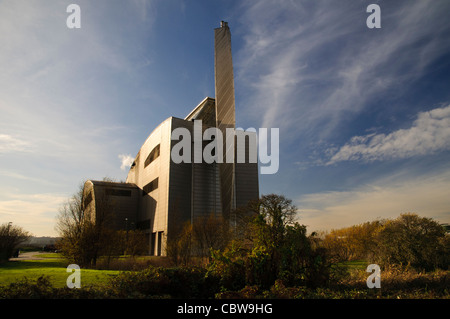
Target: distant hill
<point>40,241</point>
<point>446,227</point>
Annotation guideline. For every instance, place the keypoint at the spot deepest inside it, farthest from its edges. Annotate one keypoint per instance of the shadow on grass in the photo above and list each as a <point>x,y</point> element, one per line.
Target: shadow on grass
<point>33,264</point>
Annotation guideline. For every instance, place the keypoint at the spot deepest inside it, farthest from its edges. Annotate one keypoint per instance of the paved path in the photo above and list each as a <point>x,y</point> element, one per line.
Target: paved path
<point>33,255</point>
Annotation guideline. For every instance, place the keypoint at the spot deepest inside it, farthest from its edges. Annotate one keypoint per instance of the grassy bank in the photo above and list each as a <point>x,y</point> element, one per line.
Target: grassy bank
<point>53,266</point>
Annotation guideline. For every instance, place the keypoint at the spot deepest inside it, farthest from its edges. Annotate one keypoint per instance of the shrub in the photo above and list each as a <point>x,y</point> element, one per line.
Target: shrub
<point>179,282</point>
<point>248,292</point>
<point>10,237</point>
<point>410,239</point>
<point>26,289</point>
<point>139,284</point>
<point>280,291</point>
<point>228,268</point>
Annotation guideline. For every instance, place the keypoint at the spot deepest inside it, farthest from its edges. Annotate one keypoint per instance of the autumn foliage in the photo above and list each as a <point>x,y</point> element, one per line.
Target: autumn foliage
<point>407,240</point>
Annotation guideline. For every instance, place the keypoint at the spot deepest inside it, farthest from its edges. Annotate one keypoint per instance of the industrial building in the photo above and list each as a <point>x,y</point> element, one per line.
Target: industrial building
<point>159,193</point>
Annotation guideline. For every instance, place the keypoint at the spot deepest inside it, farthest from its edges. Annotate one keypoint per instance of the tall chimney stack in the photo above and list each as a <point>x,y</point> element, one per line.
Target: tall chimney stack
<point>225,110</point>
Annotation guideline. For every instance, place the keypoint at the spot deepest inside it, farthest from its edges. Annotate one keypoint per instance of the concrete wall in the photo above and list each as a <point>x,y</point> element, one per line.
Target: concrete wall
<point>118,203</point>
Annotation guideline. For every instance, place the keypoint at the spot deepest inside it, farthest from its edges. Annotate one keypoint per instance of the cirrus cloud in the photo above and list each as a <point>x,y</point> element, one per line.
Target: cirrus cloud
<point>9,143</point>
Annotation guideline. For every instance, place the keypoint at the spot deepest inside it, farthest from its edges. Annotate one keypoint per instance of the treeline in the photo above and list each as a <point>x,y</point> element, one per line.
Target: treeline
<point>261,244</point>
<point>411,240</point>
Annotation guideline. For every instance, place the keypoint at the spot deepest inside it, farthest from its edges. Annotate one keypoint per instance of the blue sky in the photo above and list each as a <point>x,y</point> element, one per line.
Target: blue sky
<point>364,114</point>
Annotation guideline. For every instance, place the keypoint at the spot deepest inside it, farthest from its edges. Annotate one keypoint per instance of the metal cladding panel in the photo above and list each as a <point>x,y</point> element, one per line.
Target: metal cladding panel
<point>246,183</point>
<point>247,188</point>
<point>205,111</point>
<point>205,190</point>
<point>194,190</point>
<point>225,108</point>
<point>246,169</point>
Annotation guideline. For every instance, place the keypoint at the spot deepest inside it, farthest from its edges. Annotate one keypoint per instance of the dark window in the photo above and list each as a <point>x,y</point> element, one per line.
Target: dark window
<point>152,244</point>
<point>152,156</point>
<point>118,192</point>
<point>160,234</point>
<point>143,224</point>
<point>150,186</point>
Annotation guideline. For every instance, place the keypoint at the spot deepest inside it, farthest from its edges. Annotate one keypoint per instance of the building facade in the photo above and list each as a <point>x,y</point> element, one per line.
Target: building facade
<point>161,194</point>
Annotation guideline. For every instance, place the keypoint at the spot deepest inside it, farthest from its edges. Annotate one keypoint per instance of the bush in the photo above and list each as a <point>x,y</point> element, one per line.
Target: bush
<point>26,289</point>
<point>318,270</point>
<point>140,284</point>
<point>42,288</point>
<point>280,291</point>
<point>179,282</point>
<point>412,240</point>
<point>228,268</point>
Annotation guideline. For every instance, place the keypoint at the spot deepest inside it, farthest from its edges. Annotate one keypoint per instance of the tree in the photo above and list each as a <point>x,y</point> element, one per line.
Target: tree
<point>179,245</point>
<point>196,239</point>
<point>69,225</point>
<point>277,243</point>
<point>278,212</point>
<point>354,242</point>
<point>136,242</point>
<point>414,240</point>
<point>11,236</point>
<point>294,254</point>
<point>83,237</point>
<point>209,232</point>
<point>271,247</point>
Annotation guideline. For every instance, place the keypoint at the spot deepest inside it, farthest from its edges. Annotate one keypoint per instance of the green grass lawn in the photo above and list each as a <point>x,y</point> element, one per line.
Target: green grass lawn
<point>53,266</point>
<point>356,264</point>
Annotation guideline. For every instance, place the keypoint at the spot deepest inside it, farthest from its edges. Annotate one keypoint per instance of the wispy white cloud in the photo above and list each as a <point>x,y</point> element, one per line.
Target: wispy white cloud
<point>126,161</point>
<point>10,143</point>
<point>429,133</point>
<point>12,175</point>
